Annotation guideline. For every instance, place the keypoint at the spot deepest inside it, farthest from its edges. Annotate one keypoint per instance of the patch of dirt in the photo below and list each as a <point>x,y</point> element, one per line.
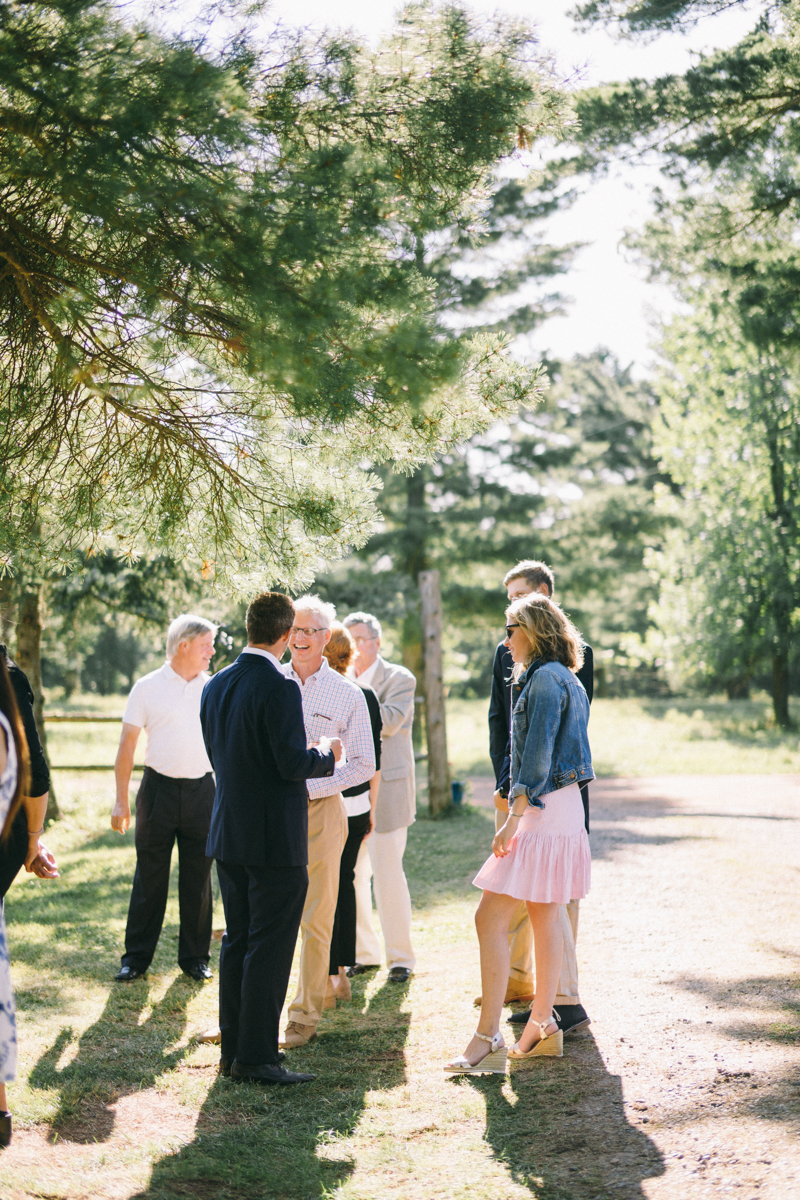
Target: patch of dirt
<point>141,1116</point>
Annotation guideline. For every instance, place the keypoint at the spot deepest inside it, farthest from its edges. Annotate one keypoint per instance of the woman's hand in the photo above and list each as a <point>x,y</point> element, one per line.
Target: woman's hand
<point>502,839</point>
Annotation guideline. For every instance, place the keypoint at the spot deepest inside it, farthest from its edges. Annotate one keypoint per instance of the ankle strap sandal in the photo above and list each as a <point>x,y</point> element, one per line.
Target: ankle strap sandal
<point>548,1045</point>
<point>492,1063</point>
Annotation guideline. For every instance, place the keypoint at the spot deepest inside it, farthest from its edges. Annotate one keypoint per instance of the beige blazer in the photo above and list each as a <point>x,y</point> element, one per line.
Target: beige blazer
<point>397,796</point>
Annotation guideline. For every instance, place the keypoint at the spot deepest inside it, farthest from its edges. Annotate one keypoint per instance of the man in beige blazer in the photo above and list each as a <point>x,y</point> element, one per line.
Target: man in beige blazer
<point>397,798</point>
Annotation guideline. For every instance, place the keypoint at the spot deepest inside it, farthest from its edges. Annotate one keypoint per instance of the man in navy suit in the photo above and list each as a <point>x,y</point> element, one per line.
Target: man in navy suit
<point>252,718</point>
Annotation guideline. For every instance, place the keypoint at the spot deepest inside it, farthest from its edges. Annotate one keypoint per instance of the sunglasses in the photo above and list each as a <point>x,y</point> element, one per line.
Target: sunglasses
<point>509,628</point>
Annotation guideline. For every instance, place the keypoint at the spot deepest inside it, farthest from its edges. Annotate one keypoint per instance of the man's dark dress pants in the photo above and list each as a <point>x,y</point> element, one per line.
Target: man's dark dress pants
<point>263,907</point>
<point>167,809</point>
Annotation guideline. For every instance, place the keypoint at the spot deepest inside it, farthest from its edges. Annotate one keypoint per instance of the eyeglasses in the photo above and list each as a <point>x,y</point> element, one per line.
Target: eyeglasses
<point>509,628</point>
<point>307,632</point>
<point>360,640</point>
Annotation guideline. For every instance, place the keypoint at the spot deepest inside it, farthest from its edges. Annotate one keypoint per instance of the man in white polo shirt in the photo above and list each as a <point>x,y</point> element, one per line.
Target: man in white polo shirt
<point>175,800</point>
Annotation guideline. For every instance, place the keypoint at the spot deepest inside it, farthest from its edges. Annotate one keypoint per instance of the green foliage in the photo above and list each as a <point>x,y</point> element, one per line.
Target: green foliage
<point>210,305</point>
<point>643,16</point>
<point>731,566</point>
<point>572,482</point>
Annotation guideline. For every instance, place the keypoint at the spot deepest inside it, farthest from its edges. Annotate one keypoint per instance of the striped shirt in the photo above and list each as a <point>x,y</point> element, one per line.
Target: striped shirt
<point>335,707</point>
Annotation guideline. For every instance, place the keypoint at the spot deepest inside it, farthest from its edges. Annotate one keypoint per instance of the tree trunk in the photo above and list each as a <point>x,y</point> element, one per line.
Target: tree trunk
<point>29,658</point>
<point>439,797</point>
<point>738,689</point>
<point>6,609</point>
<point>780,689</point>
<point>413,561</point>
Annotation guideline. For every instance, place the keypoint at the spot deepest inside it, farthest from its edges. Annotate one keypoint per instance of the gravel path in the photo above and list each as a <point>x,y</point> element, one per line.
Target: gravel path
<point>689,952</point>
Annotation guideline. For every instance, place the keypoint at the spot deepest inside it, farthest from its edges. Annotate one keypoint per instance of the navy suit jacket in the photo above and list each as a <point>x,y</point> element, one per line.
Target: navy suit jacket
<point>253,728</point>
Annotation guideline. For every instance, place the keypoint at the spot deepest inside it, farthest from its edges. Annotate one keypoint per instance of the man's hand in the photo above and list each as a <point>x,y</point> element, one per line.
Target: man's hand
<point>121,816</point>
<point>337,748</point>
<point>40,861</point>
<point>501,802</point>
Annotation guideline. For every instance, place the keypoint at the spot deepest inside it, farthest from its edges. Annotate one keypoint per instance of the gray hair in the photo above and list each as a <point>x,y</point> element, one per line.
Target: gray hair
<point>362,618</point>
<point>186,628</point>
<point>316,605</point>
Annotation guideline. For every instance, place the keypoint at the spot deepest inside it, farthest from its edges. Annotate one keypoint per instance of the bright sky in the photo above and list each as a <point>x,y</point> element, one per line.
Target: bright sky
<point>612,300</point>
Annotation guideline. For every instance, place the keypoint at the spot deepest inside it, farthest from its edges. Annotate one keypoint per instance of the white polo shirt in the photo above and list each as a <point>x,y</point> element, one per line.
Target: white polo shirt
<point>167,708</point>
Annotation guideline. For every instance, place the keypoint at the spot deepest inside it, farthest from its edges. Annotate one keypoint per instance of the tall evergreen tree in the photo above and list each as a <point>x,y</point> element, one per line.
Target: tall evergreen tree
<point>572,482</point>
<point>211,308</point>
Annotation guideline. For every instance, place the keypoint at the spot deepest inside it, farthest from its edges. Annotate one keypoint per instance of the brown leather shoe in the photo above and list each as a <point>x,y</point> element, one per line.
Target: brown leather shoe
<point>516,993</point>
<point>297,1035</point>
<point>211,1037</point>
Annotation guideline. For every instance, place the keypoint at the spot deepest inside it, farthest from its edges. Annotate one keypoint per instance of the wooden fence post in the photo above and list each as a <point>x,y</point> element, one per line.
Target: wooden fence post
<point>435,723</point>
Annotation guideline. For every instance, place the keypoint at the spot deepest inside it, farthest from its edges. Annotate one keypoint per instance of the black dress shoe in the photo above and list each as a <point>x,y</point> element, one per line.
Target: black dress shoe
<point>569,1017</point>
<point>200,971</point>
<point>225,1064</point>
<point>267,1073</point>
<point>5,1130</point>
<point>360,969</point>
<point>399,975</point>
<point>127,974</point>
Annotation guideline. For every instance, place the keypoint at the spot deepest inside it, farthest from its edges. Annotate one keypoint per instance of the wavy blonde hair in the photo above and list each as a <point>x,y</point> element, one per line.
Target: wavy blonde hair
<point>340,648</point>
<point>550,633</point>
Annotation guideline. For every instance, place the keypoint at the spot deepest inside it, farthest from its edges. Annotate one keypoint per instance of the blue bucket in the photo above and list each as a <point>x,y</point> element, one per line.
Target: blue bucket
<point>457,789</point>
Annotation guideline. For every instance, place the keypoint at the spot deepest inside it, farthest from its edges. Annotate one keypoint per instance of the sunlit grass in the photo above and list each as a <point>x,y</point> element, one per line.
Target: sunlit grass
<point>653,737</point>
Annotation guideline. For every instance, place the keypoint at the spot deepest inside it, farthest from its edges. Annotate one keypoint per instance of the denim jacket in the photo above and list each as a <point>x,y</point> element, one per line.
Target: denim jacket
<point>549,742</point>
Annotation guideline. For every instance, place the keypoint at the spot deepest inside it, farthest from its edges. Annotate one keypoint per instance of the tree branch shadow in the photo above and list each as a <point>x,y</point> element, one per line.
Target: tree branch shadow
<point>255,1141</point>
<point>116,1056</point>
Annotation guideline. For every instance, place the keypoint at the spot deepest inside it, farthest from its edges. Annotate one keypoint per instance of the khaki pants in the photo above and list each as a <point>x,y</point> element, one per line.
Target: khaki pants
<point>520,937</point>
<point>327,834</point>
<point>383,854</point>
<point>392,898</point>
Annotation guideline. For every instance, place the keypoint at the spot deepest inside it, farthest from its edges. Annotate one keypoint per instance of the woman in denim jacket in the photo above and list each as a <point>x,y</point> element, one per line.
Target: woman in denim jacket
<point>541,854</point>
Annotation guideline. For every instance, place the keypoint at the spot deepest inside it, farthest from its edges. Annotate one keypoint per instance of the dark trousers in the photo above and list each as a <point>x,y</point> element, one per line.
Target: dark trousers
<point>343,938</point>
<point>585,798</point>
<point>14,851</point>
<point>263,907</point>
<point>169,809</point>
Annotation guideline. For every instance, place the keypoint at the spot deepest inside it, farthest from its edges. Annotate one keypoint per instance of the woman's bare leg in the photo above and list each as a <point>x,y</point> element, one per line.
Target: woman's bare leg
<point>548,951</point>
<point>3,1098</point>
<point>492,921</point>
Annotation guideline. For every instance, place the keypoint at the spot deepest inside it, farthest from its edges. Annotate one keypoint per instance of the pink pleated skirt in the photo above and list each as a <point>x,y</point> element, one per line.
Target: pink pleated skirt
<point>549,861</point>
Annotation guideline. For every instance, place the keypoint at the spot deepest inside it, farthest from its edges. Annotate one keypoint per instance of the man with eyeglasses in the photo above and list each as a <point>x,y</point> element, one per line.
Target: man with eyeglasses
<point>395,809</point>
<point>525,578</point>
<point>332,707</point>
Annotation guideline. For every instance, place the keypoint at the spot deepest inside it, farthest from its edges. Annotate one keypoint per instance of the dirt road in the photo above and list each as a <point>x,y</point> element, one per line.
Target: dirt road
<point>689,951</point>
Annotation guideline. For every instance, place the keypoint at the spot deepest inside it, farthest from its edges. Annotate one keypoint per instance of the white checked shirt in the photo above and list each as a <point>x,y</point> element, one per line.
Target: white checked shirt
<point>335,707</point>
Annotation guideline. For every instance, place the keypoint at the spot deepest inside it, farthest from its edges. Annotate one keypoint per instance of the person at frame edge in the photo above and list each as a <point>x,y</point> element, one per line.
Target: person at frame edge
<point>23,846</point>
<point>525,578</point>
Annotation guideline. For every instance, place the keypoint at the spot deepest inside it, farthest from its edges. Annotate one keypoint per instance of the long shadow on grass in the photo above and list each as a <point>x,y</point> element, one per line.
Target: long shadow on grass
<point>259,1142</point>
<point>115,1057</point>
<point>563,1133</point>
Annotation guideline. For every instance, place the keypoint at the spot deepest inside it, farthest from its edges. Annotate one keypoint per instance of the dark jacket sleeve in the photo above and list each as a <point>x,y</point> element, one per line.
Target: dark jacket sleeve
<point>287,738</point>
<point>499,717</point>
<point>586,673</point>
<point>376,720</point>
<point>40,772</point>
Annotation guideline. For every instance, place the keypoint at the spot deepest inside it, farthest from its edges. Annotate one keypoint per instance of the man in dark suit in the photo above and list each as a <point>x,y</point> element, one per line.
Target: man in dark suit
<point>252,719</point>
<point>522,580</point>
